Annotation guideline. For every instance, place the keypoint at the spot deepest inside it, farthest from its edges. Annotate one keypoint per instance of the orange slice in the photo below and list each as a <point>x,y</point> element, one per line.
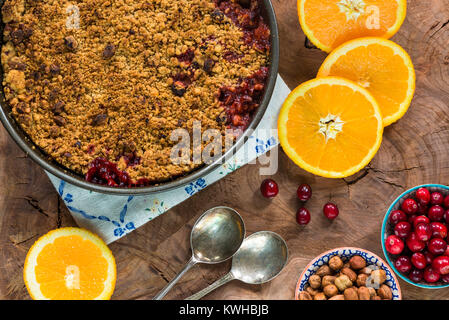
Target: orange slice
<point>379,65</point>
<point>330,126</point>
<point>70,264</point>
<point>329,23</point>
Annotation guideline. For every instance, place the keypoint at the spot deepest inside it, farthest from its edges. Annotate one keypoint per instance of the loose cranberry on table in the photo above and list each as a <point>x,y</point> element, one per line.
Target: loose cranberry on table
<point>441,265</point>
<point>394,244</point>
<point>423,196</point>
<point>437,246</point>
<point>409,206</point>
<point>436,198</point>
<point>436,213</point>
<point>414,244</point>
<point>331,211</point>
<point>397,216</point>
<point>304,192</point>
<point>303,216</point>
<point>431,275</point>
<point>402,229</point>
<point>269,188</point>
<point>419,260</point>
<point>423,231</point>
<point>439,230</point>
<point>416,275</point>
<point>403,264</point>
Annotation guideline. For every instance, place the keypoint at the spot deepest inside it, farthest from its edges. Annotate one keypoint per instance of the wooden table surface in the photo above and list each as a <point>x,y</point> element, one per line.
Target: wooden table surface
<point>414,151</point>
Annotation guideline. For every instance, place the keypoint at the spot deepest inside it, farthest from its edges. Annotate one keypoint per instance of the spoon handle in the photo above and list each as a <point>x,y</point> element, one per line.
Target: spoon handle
<point>212,287</point>
<point>172,283</point>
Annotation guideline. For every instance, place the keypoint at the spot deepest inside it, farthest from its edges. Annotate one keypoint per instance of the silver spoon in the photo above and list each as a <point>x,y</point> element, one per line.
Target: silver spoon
<point>215,237</point>
<point>260,259</point>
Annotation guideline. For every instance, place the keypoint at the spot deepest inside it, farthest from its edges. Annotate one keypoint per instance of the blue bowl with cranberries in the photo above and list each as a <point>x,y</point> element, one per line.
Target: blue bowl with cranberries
<point>415,236</point>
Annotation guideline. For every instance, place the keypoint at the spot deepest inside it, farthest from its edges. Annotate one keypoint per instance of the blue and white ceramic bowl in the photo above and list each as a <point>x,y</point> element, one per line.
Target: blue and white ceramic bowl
<point>345,254</point>
<point>387,229</point>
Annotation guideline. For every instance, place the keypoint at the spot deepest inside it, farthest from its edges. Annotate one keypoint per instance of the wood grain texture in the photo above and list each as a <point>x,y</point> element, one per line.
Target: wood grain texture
<point>414,151</point>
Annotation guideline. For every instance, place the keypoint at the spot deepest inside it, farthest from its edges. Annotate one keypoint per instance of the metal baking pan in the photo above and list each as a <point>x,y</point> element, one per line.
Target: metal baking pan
<point>71,177</point>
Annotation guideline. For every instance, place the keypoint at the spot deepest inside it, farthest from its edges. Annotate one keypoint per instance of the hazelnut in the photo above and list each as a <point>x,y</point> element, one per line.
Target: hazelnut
<point>376,298</point>
<point>343,282</point>
<point>335,263</point>
<point>319,296</point>
<point>366,270</point>
<point>328,280</point>
<point>372,292</point>
<point>351,274</point>
<point>324,271</point>
<point>338,297</point>
<point>351,294</point>
<point>361,280</point>
<point>311,291</point>
<point>357,262</point>
<point>364,293</point>
<point>377,277</point>
<point>385,292</point>
<point>304,296</point>
<point>315,281</point>
<point>330,290</point>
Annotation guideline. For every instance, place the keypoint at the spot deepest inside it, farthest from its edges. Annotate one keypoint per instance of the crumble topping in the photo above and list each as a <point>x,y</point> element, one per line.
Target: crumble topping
<point>109,93</point>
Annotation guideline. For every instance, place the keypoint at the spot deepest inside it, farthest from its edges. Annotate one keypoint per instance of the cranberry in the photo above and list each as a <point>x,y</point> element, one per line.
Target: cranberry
<point>394,244</point>
<point>269,188</point>
<point>437,246</point>
<point>304,192</point>
<point>439,230</point>
<point>446,216</point>
<point>446,202</point>
<point>414,244</point>
<point>441,265</point>
<point>429,257</point>
<point>397,216</point>
<point>422,208</point>
<point>409,206</point>
<point>412,218</point>
<point>331,211</point>
<point>430,275</point>
<point>423,195</point>
<point>416,275</point>
<point>436,213</point>
<point>402,229</point>
<point>436,198</point>
<point>445,278</point>
<point>423,232</point>
<point>303,216</point>
<point>420,219</point>
<point>419,260</point>
<point>403,264</point>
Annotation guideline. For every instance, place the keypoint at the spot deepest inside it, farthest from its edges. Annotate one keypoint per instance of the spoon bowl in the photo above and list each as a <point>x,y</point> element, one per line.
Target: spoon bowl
<point>217,235</point>
<point>260,259</point>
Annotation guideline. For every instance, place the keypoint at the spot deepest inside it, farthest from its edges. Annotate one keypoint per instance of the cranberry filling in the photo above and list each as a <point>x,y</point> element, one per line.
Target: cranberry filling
<point>240,102</point>
<point>256,32</point>
<point>104,172</point>
<point>187,57</point>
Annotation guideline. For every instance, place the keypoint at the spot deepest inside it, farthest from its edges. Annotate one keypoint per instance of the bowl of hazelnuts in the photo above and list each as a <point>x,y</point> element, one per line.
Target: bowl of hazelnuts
<point>348,274</point>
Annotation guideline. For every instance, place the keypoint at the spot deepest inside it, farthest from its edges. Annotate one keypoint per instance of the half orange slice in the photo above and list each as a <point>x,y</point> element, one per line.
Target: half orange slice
<point>330,126</point>
<point>329,23</point>
<point>70,264</point>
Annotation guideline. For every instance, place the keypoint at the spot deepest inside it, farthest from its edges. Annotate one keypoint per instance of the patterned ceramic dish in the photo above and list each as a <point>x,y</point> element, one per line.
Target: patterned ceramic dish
<point>387,230</point>
<point>345,254</point>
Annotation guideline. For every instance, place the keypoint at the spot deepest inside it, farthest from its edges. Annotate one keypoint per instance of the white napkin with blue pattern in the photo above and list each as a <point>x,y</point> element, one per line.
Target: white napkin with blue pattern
<point>112,217</point>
